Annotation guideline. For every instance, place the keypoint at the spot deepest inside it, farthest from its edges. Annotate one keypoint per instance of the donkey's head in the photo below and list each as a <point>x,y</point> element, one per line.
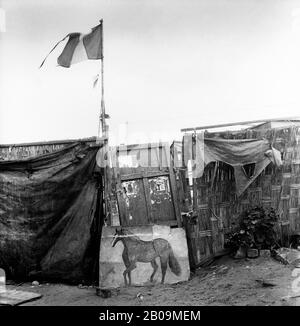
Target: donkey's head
<point>119,234</point>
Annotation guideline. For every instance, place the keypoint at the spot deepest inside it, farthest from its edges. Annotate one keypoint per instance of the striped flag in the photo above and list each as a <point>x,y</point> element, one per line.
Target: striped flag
<point>80,47</point>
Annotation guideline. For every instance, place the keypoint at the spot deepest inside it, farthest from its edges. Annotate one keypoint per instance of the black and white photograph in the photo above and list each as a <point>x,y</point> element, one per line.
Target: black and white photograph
<point>149,155</point>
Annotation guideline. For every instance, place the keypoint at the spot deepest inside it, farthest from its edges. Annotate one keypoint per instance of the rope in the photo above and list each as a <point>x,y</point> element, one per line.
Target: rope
<point>53,50</point>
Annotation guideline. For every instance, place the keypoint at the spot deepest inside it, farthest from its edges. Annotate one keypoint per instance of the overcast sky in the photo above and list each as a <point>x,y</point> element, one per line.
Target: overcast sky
<point>169,64</point>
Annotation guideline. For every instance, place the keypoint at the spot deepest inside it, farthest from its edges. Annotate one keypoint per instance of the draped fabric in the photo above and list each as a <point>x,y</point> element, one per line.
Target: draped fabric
<point>237,153</point>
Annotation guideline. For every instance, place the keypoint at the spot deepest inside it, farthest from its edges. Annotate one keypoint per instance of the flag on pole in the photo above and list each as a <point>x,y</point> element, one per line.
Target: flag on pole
<point>80,47</point>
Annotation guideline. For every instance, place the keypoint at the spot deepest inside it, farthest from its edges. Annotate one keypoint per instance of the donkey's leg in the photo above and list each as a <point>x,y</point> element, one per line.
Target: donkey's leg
<point>129,278</point>
<point>155,267</point>
<point>125,279</point>
<point>128,273</point>
<point>127,265</point>
<point>164,265</point>
<point>129,269</point>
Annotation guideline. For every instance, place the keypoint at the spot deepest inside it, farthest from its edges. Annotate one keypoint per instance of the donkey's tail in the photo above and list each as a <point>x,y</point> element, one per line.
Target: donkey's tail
<point>174,264</point>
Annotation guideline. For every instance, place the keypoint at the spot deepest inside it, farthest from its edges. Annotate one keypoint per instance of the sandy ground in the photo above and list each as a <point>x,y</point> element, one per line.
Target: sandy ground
<point>226,282</point>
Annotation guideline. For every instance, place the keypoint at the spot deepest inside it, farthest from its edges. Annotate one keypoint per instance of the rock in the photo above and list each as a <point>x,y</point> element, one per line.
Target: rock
<point>81,286</point>
<point>265,283</point>
<point>140,296</point>
<point>265,253</point>
<point>35,283</point>
<point>279,257</point>
<point>288,256</point>
<point>252,253</point>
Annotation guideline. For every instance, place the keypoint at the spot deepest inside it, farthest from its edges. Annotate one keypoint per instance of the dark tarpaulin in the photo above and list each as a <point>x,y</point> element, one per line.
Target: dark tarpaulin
<point>48,225</point>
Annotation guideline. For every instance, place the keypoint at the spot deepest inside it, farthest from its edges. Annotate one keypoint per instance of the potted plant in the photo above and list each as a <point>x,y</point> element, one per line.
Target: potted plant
<point>256,230</point>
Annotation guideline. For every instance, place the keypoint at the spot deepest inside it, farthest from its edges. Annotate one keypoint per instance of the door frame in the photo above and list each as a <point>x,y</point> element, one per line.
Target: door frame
<point>144,173</point>
<point>145,176</point>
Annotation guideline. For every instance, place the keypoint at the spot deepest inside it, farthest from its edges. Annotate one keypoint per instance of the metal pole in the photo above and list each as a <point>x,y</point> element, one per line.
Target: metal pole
<point>293,119</point>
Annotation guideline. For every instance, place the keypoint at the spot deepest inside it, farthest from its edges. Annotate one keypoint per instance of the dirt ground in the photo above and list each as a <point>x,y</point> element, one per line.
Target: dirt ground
<point>225,282</point>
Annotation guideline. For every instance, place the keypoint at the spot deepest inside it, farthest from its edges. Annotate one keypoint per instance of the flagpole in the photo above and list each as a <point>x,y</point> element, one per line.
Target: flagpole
<point>104,131</point>
<point>102,122</point>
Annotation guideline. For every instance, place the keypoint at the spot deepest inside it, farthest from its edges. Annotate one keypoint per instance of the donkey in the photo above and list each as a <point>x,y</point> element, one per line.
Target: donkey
<point>137,250</point>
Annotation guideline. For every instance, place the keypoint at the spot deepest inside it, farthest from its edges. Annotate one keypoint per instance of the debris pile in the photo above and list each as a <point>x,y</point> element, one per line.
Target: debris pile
<point>287,256</point>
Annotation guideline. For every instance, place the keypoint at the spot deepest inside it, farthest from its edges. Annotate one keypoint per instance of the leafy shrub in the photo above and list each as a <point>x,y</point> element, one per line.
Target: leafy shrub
<point>238,239</point>
<point>256,230</point>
